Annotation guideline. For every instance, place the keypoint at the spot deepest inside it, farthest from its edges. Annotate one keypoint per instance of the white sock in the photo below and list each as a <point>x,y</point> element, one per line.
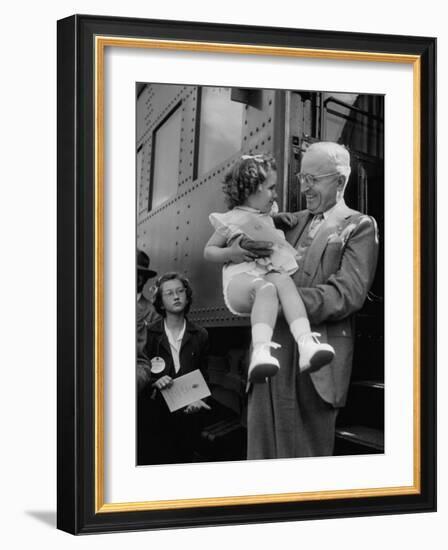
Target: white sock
<point>261,333</point>
<point>299,327</point>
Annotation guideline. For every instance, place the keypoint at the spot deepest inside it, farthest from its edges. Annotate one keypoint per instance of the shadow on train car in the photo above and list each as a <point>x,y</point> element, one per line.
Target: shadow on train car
<point>187,139</point>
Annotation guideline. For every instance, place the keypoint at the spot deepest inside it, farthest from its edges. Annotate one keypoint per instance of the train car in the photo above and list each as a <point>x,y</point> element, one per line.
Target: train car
<point>187,139</point>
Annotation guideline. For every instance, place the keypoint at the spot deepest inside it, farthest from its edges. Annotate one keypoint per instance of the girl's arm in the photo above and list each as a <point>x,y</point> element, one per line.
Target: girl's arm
<point>285,220</point>
<point>217,251</point>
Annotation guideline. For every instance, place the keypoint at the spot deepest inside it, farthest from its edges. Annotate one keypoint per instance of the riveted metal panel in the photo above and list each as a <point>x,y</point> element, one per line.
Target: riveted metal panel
<point>141,112</point>
<point>199,200</point>
<point>258,126</point>
<point>157,236</point>
<point>175,233</point>
<point>263,129</point>
<point>145,174</point>
<point>154,105</point>
<point>188,131</point>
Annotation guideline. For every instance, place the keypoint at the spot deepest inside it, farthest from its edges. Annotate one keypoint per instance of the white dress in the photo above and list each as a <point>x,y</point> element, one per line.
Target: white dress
<point>258,226</point>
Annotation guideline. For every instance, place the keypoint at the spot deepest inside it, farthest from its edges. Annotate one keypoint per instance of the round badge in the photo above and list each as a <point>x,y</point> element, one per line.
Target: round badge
<point>157,365</point>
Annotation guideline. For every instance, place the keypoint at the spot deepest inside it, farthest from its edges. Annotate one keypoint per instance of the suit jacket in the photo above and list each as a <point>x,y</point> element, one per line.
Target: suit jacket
<point>333,282</point>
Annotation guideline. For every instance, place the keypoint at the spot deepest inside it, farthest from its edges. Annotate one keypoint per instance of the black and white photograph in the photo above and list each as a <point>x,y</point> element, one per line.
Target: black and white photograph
<point>259,273</point>
<point>223,275</point>
<point>245,257</point>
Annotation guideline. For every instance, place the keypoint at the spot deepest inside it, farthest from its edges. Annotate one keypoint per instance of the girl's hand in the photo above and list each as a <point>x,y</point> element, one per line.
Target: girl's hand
<point>286,219</point>
<point>196,406</point>
<point>163,382</point>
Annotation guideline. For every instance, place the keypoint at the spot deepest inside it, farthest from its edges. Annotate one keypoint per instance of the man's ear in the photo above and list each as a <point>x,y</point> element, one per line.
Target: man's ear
<point>341,182</point>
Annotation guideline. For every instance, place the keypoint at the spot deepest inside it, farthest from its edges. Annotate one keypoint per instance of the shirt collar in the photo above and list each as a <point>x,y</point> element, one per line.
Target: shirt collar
<point>170,334</point>
<point>334,209</point>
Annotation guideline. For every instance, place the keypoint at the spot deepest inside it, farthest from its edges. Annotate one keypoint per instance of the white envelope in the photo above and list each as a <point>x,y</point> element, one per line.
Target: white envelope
<point>185,390</point>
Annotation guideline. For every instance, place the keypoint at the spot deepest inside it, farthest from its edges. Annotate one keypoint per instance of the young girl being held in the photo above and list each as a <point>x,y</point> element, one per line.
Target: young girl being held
<point>254,286</point>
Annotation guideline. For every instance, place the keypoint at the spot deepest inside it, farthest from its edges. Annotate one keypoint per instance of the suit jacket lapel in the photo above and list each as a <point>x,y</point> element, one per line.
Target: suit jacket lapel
<point>316,249</point>
<point>294,234</point>
<point>331,225</point>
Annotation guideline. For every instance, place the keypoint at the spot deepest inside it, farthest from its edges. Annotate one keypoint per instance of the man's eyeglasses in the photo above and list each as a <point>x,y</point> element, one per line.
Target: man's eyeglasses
<point>312,180</point>
<point>176,292</point>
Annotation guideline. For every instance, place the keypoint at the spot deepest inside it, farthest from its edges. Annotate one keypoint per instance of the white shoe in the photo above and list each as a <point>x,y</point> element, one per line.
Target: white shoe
<point>313,354</point>
<point>262,364</point>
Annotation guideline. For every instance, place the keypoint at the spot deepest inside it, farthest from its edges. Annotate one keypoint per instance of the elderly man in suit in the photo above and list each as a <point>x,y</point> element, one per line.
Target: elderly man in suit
<point>295,415</point>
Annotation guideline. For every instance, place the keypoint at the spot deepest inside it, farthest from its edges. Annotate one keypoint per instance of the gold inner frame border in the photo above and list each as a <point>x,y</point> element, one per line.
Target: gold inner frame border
<point>101,42</point>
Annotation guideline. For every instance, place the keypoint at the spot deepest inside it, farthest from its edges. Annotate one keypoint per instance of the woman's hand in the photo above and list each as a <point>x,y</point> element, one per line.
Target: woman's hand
<point>196,406</point>
<point>163,382</point>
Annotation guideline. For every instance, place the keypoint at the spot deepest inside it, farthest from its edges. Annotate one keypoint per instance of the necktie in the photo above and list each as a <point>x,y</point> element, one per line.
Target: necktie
<point>314,225</point>
<point>308,236</point>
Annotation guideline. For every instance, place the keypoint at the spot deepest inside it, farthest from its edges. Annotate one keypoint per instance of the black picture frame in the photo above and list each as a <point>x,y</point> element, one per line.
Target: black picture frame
<point>79,508</point>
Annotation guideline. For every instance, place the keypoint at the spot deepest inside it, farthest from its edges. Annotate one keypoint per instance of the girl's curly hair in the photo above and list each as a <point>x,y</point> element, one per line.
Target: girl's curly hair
<point>245,176</point>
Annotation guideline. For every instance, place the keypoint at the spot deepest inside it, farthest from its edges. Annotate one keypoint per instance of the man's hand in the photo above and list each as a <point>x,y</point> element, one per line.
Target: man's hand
<point>196,406</point>
<point>261,249</point>
<point>285,219</point>
<point>238,254</point>
<point>163,382</point>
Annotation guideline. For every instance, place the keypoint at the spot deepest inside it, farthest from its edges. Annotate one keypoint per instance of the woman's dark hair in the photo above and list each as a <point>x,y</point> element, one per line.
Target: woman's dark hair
<point>171,276</point>
<point>245,176</point>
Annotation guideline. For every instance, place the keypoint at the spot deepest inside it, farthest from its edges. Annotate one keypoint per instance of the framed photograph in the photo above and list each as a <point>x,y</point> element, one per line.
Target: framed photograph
<point>246,274</point>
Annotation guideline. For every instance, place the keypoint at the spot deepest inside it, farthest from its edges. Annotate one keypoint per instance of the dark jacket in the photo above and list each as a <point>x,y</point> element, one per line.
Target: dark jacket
<point>164,437</point>
<point>146,316</point>
<point>193,351</point>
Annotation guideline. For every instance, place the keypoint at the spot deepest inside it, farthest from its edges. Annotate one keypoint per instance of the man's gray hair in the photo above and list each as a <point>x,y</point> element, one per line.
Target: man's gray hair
<point>337,156</point>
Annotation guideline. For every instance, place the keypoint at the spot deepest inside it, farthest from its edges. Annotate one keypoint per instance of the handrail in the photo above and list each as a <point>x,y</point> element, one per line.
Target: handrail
<point>356,109</point>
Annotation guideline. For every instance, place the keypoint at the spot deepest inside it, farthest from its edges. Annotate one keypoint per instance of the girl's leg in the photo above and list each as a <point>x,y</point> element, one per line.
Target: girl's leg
<point>249,294</point>
<point>292,304</point>
<point>255,295</point>
<point>312,353</point>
